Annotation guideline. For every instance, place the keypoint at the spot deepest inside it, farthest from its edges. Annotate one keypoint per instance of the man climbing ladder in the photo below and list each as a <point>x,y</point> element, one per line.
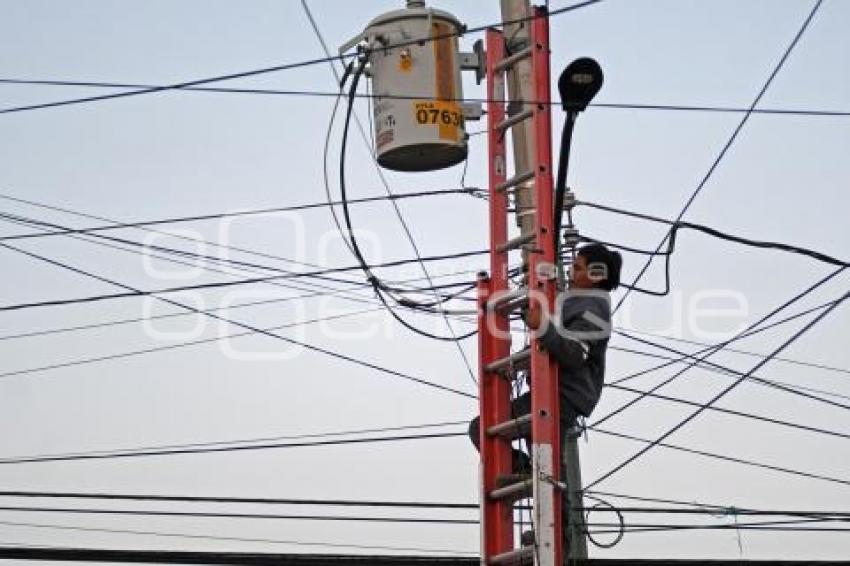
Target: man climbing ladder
<point>556,397</point>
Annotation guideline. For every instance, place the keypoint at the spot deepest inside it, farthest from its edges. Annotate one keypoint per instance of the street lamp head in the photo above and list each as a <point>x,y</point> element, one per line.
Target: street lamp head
<point>579,83</point>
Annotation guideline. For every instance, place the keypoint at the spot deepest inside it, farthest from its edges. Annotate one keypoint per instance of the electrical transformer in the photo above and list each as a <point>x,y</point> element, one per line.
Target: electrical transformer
<point>414,64</point>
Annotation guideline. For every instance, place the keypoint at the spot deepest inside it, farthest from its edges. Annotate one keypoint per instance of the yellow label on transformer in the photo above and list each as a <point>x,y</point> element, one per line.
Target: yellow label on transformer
<point>447,116</point>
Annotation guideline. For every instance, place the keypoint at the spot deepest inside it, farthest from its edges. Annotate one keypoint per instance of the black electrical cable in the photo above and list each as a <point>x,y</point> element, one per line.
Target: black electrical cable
<point>738,351</point>
<point>712,509</point>
<point>798,390</point>
<point>335,292</point>
<point>182,237</point>
<point>170,347</point>
<point>839,516</point>
<point>239,500</point>
<point>794,389</point>
<point>222,449</point>
<point>328,94</point>
<point>220,538</point>
<point>744,335</point>
<point>601,503</point>
<point>218,216</point>
<point>714,349</point>
<point>240,441</point>
<point>370,143</point>
<point>715,456</point>
<point>306,345</point>
<point>759,418</point>
<point>235,263</point>
<point>122,355</point>
<point>782,526</point>
<point>277,68</point>
<point>379,287</point>
<point>295,275</point>
<point>678,225</point>
<point>311,294</point>
<point>221,515</point>
<point>720,395</point>
<point>723,151</point>
<point>671,246</point>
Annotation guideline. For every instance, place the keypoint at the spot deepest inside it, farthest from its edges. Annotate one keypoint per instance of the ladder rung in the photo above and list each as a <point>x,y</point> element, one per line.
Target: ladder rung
<point>515,243</point>
<point>519,490</point>
<point>512,429</point>
<point>510,60</point>
<point>514,120</point>
<point>514,181</point>
<point>524,555</point>
<point>517,360</point>
<point>509,301</point>
<point>504,480</point>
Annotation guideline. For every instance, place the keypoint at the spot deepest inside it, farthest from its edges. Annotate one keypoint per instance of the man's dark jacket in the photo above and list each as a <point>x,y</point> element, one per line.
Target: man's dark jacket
<point>578,339</point>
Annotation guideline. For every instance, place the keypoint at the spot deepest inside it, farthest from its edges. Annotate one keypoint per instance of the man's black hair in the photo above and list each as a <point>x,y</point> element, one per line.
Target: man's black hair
<point>613,261</point>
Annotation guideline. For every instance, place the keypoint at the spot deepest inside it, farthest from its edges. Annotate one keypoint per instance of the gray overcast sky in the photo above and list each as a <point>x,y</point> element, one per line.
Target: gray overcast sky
<point>181,153</point>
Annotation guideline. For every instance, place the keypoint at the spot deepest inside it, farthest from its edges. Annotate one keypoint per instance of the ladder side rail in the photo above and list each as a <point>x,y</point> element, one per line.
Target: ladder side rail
<point>546,445</point>
<point>497,535</point>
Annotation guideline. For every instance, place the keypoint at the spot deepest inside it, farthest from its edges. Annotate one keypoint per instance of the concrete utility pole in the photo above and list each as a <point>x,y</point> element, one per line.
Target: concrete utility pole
<point>520,87</point>
<point>520,81</point>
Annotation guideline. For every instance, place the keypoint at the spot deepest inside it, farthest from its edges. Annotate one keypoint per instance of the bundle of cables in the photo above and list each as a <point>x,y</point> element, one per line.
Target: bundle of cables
<point>383,291</point>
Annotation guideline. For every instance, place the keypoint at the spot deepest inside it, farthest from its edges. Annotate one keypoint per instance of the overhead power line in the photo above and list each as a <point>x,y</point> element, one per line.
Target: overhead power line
<point>719,395</point>
<point>278,68</point>
<point>750,353</point>
<point>816,518</point>
<point>707,507</point>
<point>170,347</point>
<point>778,526</point>
<point>222,515</point>
<point>678,225</point>
<point>194,240</point>
<point>701,356</point>
<point>368,96</point>
<point>102,455</point>
<point>699,360</point>
<point>217,285</point>
<point>237,448</point>
<point>243,441</point>
<point>732,412</point>
<point>726,146</point>
<point>151,251</point>
<point>684,356</point>
<point>239,500</point>
<point>690,508</point>
<point>191,536</point>
<point>715,456</point>
<point>259,331</point>
<point>219,216</point>
<point>322,291</point>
